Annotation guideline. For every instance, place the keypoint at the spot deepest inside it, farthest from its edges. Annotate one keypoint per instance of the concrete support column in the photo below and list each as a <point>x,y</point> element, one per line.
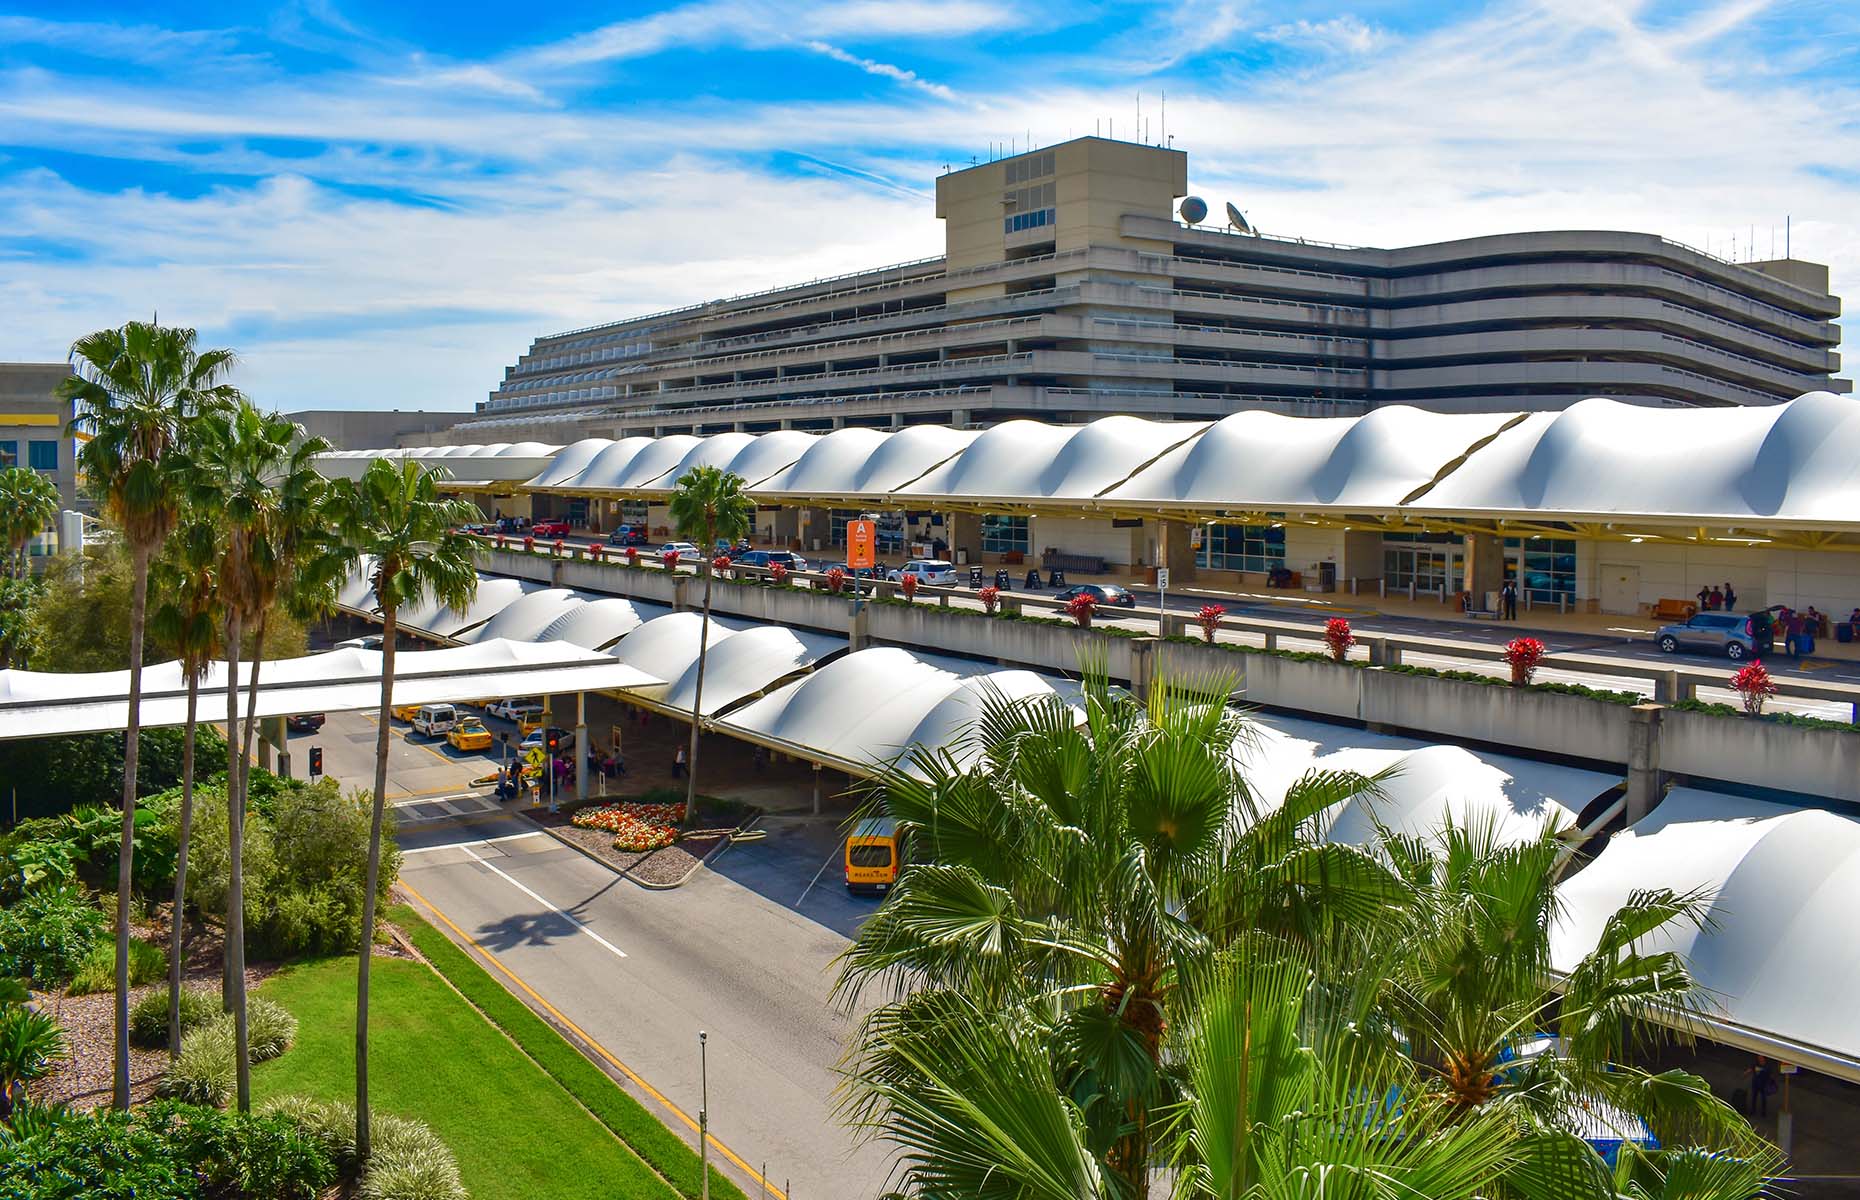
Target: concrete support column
<point>856,631</point>
<point>581,746</point>
<point>1174,552</point>
<point>965,533</point>
<point>1143,654</point>
<point>681,585</point>
<point>817,789</point>
<point>1485,565</point>
<point>959,417</point>
<point>1644,783</point>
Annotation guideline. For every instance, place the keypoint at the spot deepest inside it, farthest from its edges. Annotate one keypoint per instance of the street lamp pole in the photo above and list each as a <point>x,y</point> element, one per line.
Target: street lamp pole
<point>704,1113</point>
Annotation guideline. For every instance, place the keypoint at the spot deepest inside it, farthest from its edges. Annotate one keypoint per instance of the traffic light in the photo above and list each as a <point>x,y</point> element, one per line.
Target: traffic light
<point>316,761</point>
<point>554,741</point>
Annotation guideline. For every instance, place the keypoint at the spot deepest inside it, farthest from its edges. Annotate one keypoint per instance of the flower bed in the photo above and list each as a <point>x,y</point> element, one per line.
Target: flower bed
<point>636,827</point>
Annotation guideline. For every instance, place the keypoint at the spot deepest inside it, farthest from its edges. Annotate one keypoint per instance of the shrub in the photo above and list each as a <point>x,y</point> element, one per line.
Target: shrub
<point>720,564</point>
<point>836,580</point>
<point>30,1042</point>
<point>990,597</point>
<point>47,933</point>
<point>409,1162</point>
<point>1209,618</point>
<point>778,573</point>
<point>330,1122</point>
<point>670,559</point>
<point>269,1028</point>
<point>908,585</point>
<point>148,1017</point>
<point>1524,654</point>
<point>1080,607</point>
<point>1338,637</point>
<point>104,1155</point>
<point>238,1154</point>
<point>97,973</point>
<point>204,1072</point>
<point>632,556</point>
<point>1753,684</point>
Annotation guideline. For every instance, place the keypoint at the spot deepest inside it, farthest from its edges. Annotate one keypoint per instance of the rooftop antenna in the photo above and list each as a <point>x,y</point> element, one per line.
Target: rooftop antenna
<point>1165,116</point>
<point>1787,250</point>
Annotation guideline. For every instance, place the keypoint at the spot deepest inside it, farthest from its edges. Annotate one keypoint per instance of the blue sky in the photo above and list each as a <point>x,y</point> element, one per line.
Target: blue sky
<point>381,205</point>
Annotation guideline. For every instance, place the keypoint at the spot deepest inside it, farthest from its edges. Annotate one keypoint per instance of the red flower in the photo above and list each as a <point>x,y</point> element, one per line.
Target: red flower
<point>594,552</point>
<point>558,547</point>
<point>501,540</point>
<point>1079,608</point>
<point>1209,618</point>
<point>1754,684</point>
<point>1338,637</point>
<point>778,573</point>
<point>836,580</point>
<point>636,827</point>
<point>990,597</point>
<point>671,560</point>
<point>720,564</point>
<point>529,543</point>
<point>1524,654</point>
<point>632,556</point>
<point>909,585</point>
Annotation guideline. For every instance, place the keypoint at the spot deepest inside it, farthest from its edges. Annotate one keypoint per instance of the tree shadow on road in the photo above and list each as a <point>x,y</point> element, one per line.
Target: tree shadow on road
<point>526,929</point>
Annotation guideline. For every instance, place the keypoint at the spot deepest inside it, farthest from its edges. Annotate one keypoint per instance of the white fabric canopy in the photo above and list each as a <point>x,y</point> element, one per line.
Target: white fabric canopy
<point>745,663</point>
<point>44,703</point>
<point>571,462</point>
<point>664,648</point>
<point>525,618</point>
<point>866,463</point>
<point>1781,954</point>
<point>1035,461</point>
<point>598,624</point>
<point>1432,783</point>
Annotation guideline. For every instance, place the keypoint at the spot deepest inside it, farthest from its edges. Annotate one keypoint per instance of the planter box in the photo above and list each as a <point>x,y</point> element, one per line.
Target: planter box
<point>1821,762</point>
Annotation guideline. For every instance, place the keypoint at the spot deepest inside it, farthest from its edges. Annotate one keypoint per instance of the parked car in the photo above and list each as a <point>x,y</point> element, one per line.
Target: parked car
<point>435,720</point>
<point>371,642</point>
<point>628,535</point>
<point>469,734</point>
<point>565,738</point>
<point>513,709</point>
<point>550,529</point>
<point>936,572</point>
<point>1723,633</point>
<point>684,550</point>
<point>304,722</point>
<point>1108,594</point>
<point>768,558</point>
<point>404,712</point>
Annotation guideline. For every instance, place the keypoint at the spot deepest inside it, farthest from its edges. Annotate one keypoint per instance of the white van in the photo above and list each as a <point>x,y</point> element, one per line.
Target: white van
<point>934,572</point>
<point>435,720</point>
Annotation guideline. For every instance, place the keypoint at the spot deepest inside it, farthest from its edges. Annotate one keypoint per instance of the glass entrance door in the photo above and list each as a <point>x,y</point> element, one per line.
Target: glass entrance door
<point>1431,570</point>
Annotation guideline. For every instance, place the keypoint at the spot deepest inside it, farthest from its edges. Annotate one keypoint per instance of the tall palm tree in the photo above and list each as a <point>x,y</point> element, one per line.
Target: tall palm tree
<point>134,391</point>
<point>1080,874</point>
<point>187,621</point>
<point>394,522</point>
<point>256,473</point>
<point>708,506</point>
<point>28,503</point>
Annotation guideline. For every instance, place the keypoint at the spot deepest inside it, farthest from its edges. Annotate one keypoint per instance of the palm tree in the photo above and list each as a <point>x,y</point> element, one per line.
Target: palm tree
<point>28,503</point>
<point>187,621</point>
<point>395,523</point>
<point>708,506</point>
<point>1077,875</point>
<point>134,390</point>
<point>255,472</point>
<point>1468,979</point>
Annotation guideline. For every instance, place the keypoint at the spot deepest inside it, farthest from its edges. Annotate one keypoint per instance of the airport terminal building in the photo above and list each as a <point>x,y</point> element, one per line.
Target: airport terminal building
<point>1070,288</point>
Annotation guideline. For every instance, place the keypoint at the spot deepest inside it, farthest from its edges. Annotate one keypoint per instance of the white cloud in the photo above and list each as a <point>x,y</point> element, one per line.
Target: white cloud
<point>1338,35</point>
<point>886,70</point>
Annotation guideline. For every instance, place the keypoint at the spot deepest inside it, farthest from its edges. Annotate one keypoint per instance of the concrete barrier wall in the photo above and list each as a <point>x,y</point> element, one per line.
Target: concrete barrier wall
<point>1820,762</point>
<point>1698,745</point>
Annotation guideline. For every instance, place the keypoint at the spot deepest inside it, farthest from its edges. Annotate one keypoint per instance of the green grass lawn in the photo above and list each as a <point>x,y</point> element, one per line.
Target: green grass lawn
<point>517,1133</point>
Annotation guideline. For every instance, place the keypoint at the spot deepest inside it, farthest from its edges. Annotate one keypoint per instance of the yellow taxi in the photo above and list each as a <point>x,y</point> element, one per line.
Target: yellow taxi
<point>469,734</point>
<point>404,712</point>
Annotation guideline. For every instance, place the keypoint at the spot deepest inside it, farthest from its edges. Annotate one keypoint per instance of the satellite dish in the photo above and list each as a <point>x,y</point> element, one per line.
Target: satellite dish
<point>1237,219</point>
<point>1194,210</point>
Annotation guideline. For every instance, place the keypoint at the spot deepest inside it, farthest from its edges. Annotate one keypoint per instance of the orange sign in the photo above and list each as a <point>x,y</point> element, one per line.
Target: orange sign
<point>861,544</point>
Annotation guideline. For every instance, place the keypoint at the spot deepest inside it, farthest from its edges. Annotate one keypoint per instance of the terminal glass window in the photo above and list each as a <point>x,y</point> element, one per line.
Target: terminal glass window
<point>1256,548</point>
<point>1431,563</point>
<point>1546,568</point>
<point>838,518</point>
<point>1002,535</point>
<point>9,454</point>
<point>44,456</point>
<point>633,512</point>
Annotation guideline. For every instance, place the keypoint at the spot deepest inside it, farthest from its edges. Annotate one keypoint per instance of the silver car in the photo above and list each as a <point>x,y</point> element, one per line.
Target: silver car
<point>1720,633</point>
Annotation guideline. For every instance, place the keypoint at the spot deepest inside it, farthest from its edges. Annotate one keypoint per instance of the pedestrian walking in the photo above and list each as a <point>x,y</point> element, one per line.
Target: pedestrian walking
<point>678,763</point>
<point>1730,597</point>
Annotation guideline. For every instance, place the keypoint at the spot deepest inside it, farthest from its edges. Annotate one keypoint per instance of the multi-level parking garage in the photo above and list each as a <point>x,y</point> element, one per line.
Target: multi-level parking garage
<point>1081,293</point>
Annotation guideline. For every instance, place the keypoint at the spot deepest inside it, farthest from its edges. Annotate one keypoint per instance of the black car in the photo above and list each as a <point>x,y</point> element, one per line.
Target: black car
<point>628,535</point>
<point>304,722</point>
<point>1107,594</point>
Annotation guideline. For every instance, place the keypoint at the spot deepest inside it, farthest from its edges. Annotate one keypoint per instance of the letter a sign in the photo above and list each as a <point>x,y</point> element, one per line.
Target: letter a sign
<point>861,544</point>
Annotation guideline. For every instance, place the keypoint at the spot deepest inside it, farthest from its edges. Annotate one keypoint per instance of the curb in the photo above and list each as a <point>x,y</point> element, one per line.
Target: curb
<point>627,874</point>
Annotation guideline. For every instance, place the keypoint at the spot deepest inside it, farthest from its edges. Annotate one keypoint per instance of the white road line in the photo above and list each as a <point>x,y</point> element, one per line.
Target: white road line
<point>509,837</point>
<point>576,922</point>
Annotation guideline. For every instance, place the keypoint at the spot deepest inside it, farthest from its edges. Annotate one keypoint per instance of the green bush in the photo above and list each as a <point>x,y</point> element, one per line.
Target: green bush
<point>245,1155</point>
<point>97,973</point>
<point>47,933</point>
<point>331,1122</point>
<point>103,1155</point>
<point>87,768</point>
<point>148,1016</point>
<point>269,1028</point>
<point>409,1162</point>
<point>205,1072</point>
<point>209,861</point>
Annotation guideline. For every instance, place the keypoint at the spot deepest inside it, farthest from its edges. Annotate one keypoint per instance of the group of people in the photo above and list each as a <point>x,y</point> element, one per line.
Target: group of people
<point>513,777</point>
<point>1713,598</point>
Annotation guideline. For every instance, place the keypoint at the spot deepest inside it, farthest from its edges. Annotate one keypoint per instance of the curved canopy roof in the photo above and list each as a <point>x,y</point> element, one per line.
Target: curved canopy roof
<point>746,663</point>
<point>598,624</point>
<point>1780,953</point>
<point>1795,462</point>
<point>665,646</point>
<point>866,462</point>
<point>752,456</point>
<point>1270,461</point>
<point>571,461</point>
<point>944,726</point>
<point>1429,783</point>
<point>602,471</point>
<point>861,709</point>
<point>1033,461</point>
<point>495,593</point>
<point>525,618</point>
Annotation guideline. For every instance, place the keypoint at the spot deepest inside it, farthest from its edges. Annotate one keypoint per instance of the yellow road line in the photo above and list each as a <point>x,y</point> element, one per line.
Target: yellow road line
<point>599,1049</point>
